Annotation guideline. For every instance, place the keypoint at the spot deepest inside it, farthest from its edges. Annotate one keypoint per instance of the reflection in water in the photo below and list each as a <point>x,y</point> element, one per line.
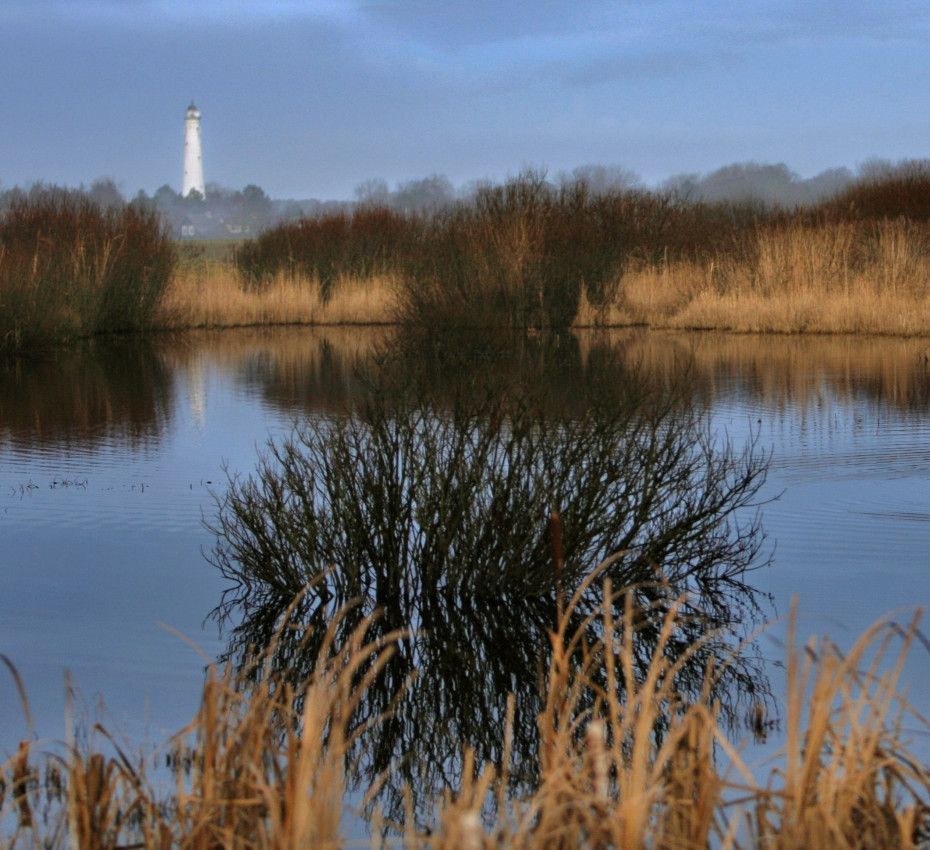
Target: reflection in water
<point>120,390</point>
<point>87,571</point>
<point>431,504</point>
<point>97,393</point>
<point>291,369</point>
<point>783,371</point>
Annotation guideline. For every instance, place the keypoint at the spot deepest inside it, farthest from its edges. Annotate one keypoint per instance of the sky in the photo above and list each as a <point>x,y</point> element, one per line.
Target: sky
<point>308,99</point>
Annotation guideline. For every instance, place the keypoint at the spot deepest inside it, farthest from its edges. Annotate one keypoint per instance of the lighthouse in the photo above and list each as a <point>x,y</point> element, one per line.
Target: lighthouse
<point>193,158</point>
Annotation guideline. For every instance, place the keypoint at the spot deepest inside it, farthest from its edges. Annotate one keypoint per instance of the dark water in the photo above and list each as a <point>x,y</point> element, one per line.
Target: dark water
<point>110,456</point>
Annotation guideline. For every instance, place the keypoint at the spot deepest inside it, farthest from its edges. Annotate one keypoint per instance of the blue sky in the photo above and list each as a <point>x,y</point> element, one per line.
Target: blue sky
<point>307,99</point>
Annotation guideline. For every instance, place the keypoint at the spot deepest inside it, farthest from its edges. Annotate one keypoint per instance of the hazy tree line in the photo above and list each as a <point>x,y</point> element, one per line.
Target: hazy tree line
<point>222,214</point>
<point>241,213</point>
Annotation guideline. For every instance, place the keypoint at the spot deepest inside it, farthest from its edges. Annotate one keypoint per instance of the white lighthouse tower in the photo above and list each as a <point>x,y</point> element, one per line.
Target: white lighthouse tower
<point>193,158</point>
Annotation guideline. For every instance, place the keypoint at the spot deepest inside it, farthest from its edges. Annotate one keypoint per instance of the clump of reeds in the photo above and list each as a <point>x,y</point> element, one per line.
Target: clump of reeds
<point>844,778</point>
<point>216,296</point>
<point>70,268</point>
<point>527,254</point>
<point>263,765</point>
<point>828,277</point>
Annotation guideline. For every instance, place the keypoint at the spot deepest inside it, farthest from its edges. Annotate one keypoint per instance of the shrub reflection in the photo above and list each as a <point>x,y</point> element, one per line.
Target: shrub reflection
<point>431,504</point>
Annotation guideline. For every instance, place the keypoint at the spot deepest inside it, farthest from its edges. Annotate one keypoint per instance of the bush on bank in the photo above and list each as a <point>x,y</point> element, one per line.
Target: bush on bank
<point>70,268</point>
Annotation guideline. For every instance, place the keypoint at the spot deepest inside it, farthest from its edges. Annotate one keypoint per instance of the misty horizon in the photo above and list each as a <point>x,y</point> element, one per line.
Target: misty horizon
<point>229,213</point>
<point>768,183</point>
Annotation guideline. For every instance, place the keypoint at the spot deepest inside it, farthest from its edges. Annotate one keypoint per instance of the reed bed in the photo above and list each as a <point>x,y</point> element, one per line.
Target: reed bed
<point>216,296</point>
<point>263,763</point>
<point>889,295</point>
<point>823,276</point>
<point>524,254</point>
<point>835,277</point>
<point>70,268</point>
<point>515,255</point>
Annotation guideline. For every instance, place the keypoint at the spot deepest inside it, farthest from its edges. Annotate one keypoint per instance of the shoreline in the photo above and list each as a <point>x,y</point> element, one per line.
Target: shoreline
<point>212,298</point>
<point>170,329</point>
<point>677,296</point>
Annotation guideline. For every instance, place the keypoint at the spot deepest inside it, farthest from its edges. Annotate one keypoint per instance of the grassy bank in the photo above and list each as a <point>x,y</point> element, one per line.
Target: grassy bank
<point>251,770</point>
<point>517,255</point>
<point>526,254</point>
<point>839,278</point>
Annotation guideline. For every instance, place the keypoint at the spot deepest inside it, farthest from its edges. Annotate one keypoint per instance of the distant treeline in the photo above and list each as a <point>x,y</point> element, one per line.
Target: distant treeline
<point>244,213</point>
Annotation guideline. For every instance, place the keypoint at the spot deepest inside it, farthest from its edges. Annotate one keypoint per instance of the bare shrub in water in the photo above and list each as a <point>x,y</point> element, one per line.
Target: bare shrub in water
<point>418,498</point>
<point>407,498</point>
<point>437,515</point>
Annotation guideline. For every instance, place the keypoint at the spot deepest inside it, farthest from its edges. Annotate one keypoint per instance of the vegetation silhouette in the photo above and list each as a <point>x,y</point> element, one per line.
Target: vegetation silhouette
<point>430,504</point>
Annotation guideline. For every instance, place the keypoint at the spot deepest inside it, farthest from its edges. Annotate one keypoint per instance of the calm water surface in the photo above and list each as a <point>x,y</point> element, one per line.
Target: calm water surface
<point>110,456</point>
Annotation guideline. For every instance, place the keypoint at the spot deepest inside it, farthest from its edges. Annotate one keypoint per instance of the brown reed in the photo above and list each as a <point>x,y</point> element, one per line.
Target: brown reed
<point>524,254</point>
<point>262,764</point>
<point>788,274</point>
<point>834,277</point>
<point>214,295</point>
<point>70,268</point>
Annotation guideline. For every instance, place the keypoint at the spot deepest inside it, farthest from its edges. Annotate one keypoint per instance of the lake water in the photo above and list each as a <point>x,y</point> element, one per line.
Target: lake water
<point>111,456</point>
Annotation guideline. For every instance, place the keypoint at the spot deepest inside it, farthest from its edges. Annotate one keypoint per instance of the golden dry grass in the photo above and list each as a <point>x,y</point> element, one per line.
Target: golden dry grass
<point>253,772</point>
<point>212,296</point>
<point>835,278</point>
<point>839,278</point>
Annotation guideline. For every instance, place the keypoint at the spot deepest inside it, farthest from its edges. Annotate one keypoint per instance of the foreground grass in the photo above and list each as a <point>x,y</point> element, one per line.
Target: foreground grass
<point>252,771</point>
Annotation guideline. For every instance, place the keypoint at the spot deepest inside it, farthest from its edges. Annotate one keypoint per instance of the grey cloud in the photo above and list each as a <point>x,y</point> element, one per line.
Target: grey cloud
<point>621,67</point>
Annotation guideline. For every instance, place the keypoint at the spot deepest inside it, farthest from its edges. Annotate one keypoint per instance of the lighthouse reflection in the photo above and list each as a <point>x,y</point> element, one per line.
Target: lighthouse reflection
<point>429,510</point>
